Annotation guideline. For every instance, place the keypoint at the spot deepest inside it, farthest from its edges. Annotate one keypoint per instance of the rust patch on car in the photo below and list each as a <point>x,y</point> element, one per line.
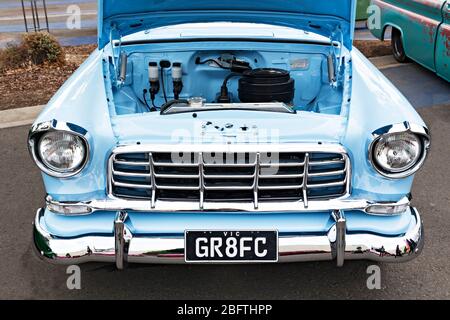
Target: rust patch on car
<point>445,37</point>
<point>430,3</point>
<point>429,28</point>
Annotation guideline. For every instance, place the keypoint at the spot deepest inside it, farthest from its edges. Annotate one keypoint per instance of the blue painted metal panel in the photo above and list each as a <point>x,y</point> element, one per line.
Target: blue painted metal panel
<point>323,17</point>
<point>174,224</point>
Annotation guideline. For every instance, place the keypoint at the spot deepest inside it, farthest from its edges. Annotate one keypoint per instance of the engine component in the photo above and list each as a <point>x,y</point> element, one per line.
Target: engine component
<point>224,96</point>
<point>153,78</point>
<point>331,68</point>
<point>239,66</point>
<point>196,102</point>
<point>123,67</point>
<point>164,64</point>
<point>266,85</point>
<point>227,62</point>
<point>177,78</point>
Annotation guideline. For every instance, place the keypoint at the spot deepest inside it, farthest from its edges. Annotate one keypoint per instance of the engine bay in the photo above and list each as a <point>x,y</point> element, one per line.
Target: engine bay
<point>279,78</point>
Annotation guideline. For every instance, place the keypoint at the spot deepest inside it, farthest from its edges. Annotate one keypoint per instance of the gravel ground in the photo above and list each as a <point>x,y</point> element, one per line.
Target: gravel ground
<point>35,85</point>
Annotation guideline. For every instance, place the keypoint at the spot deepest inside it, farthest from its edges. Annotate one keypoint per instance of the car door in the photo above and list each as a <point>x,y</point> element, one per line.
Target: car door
<point>442,57</point>
<point>419,21</point>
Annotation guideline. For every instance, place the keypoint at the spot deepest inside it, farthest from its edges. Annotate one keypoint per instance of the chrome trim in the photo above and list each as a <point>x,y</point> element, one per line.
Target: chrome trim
<point>421,131</point>
<point>152,179</point>
<point>341,229</point>
<point>379,248</point>
<point>257,149</point>
<point>148,249</point>
<point>268,107</point>
<point>387,209</point>
<point>304,185</point>
<point>39,129</point>
<point>122,238</point>
<point>238,148</point>
<point>201,180</point>
<point>256,181</point>
<point>188,206</point>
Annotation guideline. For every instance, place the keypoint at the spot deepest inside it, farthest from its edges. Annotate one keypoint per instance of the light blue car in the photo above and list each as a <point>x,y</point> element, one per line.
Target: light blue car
<point>227,132</point>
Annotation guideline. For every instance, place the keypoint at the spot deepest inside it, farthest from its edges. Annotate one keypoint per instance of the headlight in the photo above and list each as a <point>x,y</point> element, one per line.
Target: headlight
<point>397,154</point>
<point>62,152</point>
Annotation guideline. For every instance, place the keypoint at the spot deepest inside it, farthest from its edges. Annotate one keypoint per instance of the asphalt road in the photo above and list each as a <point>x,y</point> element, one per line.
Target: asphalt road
<point>24,276</point>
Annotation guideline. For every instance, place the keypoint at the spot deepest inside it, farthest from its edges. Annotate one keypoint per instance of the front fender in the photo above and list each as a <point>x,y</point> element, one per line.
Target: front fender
<point>82,101</point>
<point>375,104</point>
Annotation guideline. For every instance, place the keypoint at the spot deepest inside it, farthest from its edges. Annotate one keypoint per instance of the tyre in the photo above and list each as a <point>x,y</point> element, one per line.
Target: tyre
<point>397,46</point>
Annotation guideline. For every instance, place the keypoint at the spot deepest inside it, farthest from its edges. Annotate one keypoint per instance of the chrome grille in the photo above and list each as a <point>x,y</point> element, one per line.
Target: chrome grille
<point>250,176</point>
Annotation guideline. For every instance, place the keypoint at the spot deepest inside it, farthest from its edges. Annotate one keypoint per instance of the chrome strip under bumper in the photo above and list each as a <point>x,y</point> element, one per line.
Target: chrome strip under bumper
<point>122,247</point>
<point>88,207</point>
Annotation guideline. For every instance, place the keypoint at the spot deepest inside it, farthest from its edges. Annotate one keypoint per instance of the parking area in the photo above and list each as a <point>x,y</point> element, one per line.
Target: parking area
<point>24,276</point>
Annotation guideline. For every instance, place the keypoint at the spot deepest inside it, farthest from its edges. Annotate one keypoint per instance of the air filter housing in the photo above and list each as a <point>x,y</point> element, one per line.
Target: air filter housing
<point>266,85</point>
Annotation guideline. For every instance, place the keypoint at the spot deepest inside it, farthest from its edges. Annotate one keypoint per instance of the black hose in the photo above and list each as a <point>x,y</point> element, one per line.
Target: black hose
<point>163,86</point>
<point>154,106</point>
<point>228,77</point>
<point>146,103</point>
<point>224,96</point>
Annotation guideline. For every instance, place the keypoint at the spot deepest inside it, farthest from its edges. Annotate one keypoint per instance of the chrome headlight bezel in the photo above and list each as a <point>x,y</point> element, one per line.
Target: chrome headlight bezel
<point>420,132</point>
<point>39,130</point>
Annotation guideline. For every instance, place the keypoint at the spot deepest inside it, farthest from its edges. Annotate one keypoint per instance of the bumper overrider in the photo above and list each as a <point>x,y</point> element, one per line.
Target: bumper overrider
<point>122,246</point>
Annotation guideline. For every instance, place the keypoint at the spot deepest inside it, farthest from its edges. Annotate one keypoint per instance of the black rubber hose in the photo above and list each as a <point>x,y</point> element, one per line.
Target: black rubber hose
<point>228,77</point>
<point>163,86</point>
<point>146,103</point>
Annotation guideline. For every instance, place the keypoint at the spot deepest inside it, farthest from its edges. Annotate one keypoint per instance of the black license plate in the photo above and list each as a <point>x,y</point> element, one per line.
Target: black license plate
<point>231,246</point>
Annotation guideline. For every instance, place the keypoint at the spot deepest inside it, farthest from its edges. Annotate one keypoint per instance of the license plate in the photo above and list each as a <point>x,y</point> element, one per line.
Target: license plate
<point>231,246</point>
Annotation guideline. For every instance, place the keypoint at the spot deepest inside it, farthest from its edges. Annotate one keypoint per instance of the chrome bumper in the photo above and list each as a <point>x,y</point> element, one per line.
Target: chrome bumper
<point>114,204</point>
<point>123,247</point>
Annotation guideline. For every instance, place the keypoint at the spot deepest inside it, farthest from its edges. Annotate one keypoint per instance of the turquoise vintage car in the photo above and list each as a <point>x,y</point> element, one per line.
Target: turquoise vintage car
<point>227,132</point>
<point>420,31</point>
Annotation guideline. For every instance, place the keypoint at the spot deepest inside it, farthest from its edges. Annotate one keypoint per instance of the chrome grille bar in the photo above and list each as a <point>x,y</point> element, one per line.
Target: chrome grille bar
<point>324,163</point>
<point>256,181</point>
<point>130,174</point>
<point>202,179</point>
<point>131,185</point>
<point>153,179</point>
<point>305,180</point>
<point>326,173</point>
<point>132,163</point>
